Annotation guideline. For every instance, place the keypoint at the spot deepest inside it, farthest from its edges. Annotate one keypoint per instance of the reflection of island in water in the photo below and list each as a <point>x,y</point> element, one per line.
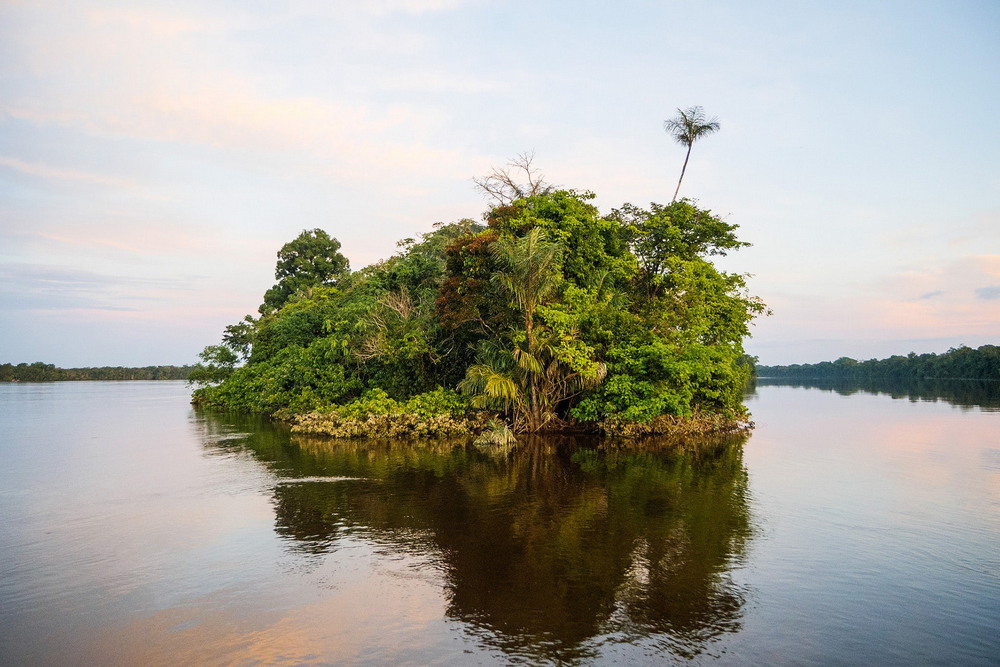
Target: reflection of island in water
<point>545,550</point>
<point>984,394</point>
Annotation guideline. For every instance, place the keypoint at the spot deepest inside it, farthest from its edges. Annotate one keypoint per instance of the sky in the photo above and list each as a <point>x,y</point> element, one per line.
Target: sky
<point>154,156</point>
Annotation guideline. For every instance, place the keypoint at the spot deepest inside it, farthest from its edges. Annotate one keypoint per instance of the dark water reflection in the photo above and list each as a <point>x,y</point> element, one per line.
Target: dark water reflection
<point>545,553</point>
<point>983,394</point>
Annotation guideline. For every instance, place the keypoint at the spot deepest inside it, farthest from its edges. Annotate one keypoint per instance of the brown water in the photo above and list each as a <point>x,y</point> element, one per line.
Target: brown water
<point>851,528</point>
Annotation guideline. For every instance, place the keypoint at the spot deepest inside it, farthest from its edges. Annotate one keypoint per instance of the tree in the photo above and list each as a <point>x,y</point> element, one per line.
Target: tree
<point>530,382</point>
<point>553,315</point>
<point>502,186</point>
<point>239,337</point>
<point>530,273</point>
<point>663,235</point>
<point>689,126</point>
<point>217,363</point>
<point>540,369</point>
<point>311,260</point>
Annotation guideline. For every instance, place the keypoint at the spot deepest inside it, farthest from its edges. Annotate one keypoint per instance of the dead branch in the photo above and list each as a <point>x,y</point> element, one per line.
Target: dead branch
<point>504,185</point>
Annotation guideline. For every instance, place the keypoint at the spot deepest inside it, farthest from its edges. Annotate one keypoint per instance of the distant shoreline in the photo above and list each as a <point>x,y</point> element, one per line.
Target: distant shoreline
<point>42,372</point>
<point>982,363</point>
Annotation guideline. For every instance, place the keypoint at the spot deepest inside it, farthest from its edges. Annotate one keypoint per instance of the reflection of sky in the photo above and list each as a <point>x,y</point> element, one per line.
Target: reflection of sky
<point>360,607</point>
<point>878,516</point>
<point>173,148</point>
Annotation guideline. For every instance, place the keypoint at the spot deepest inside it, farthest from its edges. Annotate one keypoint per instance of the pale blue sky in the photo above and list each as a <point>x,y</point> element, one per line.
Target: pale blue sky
<point>155,155</point>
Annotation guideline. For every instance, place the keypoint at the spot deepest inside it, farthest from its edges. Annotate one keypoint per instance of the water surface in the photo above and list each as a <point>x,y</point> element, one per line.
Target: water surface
<point>851,528</point>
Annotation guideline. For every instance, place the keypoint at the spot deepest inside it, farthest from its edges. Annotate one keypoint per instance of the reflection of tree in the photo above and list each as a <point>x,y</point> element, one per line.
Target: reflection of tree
<point>962,393</point>
<point>587,541</point>
<point>691,513</point>
<point>544,550</point>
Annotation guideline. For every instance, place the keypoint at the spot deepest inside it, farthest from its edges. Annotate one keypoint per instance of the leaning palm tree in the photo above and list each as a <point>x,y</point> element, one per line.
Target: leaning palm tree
<point>689,126</point>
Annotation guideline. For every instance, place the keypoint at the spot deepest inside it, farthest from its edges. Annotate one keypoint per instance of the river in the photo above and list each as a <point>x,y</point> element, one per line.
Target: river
<point>852,527</point>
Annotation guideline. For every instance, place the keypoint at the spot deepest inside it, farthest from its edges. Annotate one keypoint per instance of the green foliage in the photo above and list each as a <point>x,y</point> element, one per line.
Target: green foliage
<point>550,317</point>
<point>217,364</point>
<point>594,249</point>
<point>679,230</point>
<point>438,401</point>
<point>298,322</point>
<point>440,413</point>
<point>295,379</point>
<point>240,337</point>
<point>311,260</point>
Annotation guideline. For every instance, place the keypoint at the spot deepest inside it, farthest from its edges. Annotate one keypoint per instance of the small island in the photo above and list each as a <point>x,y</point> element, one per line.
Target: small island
<point>550,317</point>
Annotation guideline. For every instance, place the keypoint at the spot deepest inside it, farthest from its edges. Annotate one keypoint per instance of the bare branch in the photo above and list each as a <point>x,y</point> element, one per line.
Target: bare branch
<point>400,302</point>
<point>503,185</point>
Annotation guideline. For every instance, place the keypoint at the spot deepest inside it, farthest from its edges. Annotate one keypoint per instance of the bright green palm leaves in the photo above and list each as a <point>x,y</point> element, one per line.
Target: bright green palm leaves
<point>529,379</point>
<point>529,384</point>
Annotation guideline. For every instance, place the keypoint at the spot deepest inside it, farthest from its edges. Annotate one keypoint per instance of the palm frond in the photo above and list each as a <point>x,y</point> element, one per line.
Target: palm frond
<point>490,388</point>
<point>527,361</point>
<point>530,262</point>
<point>690,125</point>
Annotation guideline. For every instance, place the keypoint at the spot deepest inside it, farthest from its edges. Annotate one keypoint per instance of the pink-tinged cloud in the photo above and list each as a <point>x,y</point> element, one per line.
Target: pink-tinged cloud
<point>48,171</point>
<point>936,302</point>
<point>150,21</point>
<point>142,238</point>
<point>133,77</point>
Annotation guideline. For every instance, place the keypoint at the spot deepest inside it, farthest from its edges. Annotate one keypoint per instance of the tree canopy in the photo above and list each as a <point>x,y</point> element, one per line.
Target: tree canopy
<point>312,259</point>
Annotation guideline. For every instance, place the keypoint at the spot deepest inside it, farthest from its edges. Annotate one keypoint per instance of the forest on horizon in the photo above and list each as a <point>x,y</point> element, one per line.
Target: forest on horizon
<point>42,372</point>
<point>982,363</point>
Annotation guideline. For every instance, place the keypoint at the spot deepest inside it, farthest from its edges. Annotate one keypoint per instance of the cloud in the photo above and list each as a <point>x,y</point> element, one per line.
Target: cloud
<point>148,238</point>
<point>45,287</point>
<point>988,293</point>
<point>933,302</point>
<point>373,7</point>
<point>437,81</point>
<point>349,140</point>
<point>152,21</point>
<point>48,171</point>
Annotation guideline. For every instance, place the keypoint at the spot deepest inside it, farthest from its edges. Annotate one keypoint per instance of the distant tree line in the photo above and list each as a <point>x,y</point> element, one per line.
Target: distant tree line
<point>42,372</point>
<point>962,362</point>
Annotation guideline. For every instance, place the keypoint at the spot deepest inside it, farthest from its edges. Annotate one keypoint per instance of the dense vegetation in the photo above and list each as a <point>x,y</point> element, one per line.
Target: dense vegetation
<point>961,362</point>
<point>549,316</point>
<point>41,372</point>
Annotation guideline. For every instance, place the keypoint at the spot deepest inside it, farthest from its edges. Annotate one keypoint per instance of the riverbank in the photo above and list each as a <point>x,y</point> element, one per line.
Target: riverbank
<point>414,426</point>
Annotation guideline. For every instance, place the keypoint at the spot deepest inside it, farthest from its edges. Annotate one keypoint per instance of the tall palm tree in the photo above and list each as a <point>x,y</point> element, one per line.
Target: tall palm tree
<point>687,127</point>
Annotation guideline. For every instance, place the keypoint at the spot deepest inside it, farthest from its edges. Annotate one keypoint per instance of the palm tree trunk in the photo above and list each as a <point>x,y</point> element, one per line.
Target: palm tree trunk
<point>682,170</point>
